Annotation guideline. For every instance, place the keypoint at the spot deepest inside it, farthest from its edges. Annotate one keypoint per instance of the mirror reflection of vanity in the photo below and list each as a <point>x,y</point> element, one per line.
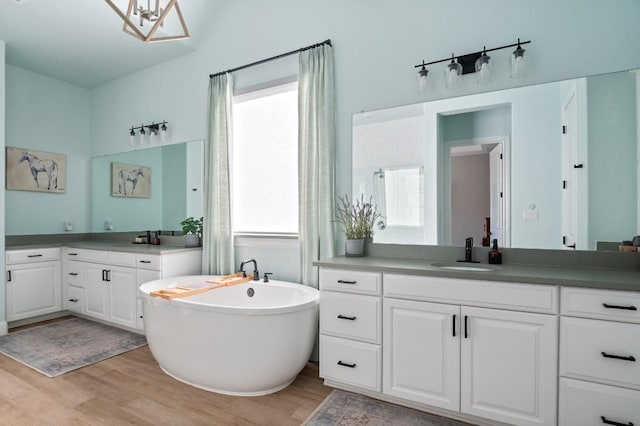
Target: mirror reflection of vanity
<point>176,189</point>
<point>550,165</point>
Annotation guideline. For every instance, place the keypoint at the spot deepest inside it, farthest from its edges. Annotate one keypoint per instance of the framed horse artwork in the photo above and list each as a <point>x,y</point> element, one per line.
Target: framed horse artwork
<point>130,181</point>
<point>29,170</point>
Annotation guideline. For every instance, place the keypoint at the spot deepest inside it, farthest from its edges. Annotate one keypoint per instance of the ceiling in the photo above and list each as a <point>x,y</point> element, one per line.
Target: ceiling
<point>82,42</point>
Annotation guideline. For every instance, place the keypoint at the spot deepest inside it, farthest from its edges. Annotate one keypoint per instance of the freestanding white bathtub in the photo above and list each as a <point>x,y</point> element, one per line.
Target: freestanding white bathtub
<point>229,342</point>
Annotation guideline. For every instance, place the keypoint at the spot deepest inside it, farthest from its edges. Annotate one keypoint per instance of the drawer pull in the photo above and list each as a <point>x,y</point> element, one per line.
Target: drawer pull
<point>454,326</point>
<point>35,255</point>
<point>611,422</point>
<point>624,358</point>
<point>346,282</point>
<point>345,364</point>
<point>145,261</point>
<point>466,327</point>
<point>73,300</point>
<point>73,273</point>
<point>346,318</point>
<point>72,254</point>
<point>626,308</point>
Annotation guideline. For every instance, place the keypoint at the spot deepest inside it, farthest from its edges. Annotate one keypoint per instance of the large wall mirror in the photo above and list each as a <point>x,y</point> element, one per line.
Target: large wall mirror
<point>175,175</point>
<point>547,166</point>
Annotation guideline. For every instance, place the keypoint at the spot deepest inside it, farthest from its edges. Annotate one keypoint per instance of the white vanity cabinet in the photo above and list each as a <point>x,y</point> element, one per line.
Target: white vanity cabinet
<point>462,354</point>
<point>32,282</point>
<point>350,328</point>
<point>103,284</point>
<point>599,357</point>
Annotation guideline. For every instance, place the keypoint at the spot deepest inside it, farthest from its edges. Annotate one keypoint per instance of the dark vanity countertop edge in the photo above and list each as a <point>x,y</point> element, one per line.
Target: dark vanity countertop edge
<point>612,279</point>
<point>109,246</point>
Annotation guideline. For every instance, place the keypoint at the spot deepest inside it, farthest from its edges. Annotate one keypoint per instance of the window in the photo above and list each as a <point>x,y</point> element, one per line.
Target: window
<point>265,161</point>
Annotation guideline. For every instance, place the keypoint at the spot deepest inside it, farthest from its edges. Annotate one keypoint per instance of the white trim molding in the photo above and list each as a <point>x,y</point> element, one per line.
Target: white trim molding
<point>4,328</point>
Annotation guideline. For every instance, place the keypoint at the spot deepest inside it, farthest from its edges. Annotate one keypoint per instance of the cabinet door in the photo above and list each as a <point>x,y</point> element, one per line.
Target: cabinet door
<point>122,295</point>
<point>33,289</point>
<point>421,352</point>
<point>509,366</point>
<point>96,291</point>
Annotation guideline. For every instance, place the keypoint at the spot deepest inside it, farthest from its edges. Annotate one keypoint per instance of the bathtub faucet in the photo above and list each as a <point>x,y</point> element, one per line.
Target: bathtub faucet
<point>256,274</point>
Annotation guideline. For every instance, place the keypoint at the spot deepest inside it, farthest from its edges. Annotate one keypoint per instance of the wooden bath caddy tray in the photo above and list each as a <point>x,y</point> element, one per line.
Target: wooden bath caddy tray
<point>201,286</point>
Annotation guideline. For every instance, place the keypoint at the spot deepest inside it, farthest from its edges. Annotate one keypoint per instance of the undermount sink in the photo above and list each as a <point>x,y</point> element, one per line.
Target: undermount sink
<point>463,267</point>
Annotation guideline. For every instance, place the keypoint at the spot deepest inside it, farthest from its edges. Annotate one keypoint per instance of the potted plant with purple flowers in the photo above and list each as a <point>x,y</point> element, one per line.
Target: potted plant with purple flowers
<point>357,218</point>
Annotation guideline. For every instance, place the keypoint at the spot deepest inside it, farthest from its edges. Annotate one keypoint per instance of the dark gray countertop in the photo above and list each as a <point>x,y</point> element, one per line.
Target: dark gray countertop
<point>110,246</point>
<point>615,279</point>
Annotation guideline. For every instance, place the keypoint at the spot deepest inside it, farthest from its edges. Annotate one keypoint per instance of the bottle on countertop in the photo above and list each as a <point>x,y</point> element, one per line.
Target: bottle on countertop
<point>495,255</point>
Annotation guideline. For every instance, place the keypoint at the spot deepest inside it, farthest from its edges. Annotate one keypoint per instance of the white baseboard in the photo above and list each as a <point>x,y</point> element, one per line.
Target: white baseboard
<point>4,328</point>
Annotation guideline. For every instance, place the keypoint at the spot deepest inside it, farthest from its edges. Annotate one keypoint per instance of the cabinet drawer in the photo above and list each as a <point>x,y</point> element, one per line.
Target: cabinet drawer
<point>603,351</point>
<point>75,274</point>
<point>601,304</point>
<point>95,256</point>
<point>587,404</point>
<point>148,261</point>
<point>351,316</point>
<point>490,294</point>
<point>351,281</point>
<point>32,255</point>
<point>75,296</point>
<point>349,362</point>
<point>122,259</point>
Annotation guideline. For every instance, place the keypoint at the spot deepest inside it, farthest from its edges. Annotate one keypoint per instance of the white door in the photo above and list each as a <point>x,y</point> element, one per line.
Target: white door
<point>509,366</point>
<point>421,352</point>
<point>33,289</point>
<point>570,171</point>
<point>122,287</point>
<point>496,194</point>
<point>96,291</point>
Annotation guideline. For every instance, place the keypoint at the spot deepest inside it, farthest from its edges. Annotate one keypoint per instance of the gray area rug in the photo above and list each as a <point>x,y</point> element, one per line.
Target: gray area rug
<point>344,409</point>
<point>57,348</point>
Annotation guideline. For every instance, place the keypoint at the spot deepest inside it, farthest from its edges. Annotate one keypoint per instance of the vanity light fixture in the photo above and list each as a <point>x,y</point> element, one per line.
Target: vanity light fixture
<point>153,128</point>
<point>154,15</point>
<point>478,62</point>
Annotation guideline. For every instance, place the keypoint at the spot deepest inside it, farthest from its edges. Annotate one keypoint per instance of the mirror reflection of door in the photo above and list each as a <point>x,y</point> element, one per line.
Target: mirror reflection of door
<point>477,191</point>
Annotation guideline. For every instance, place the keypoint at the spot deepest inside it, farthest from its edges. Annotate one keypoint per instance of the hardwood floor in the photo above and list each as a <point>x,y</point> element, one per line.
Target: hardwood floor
<point>131,389</point>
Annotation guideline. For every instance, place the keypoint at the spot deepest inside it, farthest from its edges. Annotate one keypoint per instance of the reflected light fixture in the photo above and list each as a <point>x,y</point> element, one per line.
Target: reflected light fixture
<point>142,19</point>
<point>478,62</point>
<point>153,129</point>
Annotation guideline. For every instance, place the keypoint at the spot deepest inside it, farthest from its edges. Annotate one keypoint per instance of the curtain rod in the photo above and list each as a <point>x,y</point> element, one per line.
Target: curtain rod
<point>282,55</point>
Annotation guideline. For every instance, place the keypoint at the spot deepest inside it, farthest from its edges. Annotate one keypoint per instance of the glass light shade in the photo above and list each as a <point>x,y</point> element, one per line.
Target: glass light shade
<point>424,80</point>
<point>518,63</point>
<point>484,69</point>
<point>453,75</point>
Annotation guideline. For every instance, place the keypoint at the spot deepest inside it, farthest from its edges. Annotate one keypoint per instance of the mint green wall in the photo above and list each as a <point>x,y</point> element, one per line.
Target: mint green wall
<point>479,124</point>
<point>376,45</point>
<point>611,101</point>
<point>48,115</point>
<point>137,213</point>
<point>2,201</point>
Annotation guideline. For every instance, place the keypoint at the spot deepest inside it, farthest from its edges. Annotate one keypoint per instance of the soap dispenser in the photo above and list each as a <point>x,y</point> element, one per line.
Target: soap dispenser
<point>495,255</point>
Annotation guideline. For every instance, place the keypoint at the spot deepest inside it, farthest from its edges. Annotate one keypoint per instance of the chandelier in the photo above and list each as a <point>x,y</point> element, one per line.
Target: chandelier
<point>152,16</point>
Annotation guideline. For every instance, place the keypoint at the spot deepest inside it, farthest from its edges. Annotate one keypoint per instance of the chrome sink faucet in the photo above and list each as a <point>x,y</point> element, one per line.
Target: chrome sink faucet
<point>256,274</point>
